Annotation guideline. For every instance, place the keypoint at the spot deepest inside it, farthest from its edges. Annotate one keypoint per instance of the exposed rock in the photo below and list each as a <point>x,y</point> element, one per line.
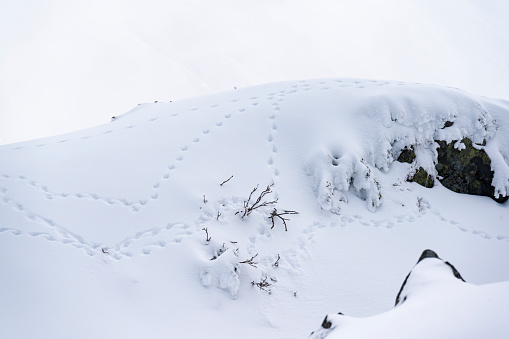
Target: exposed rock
<point>448,124</point>
<point>423,178</point>
<point>466,170</point>
<point>407,155</point>
<point>420,176</point>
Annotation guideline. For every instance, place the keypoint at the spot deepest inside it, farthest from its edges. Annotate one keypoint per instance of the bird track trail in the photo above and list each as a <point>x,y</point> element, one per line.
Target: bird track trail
<point>146,241</point>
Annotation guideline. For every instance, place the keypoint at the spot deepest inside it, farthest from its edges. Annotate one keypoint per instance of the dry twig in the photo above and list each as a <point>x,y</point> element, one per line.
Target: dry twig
<point>262,285</point>
<point>250,261</point>
<point>224,182</point>
<point>276,264</point>
<point>275,213</point>
<point>258,203</point>
<point>207,231</point>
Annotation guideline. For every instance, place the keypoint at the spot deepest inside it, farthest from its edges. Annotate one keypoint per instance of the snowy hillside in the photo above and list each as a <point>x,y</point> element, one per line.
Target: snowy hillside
<point>143,227</point>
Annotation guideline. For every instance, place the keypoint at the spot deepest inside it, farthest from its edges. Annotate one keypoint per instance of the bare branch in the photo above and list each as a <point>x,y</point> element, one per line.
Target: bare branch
<point>207,231</point>
<point>275,213</point>
<point>250,261</point>
<point>258,203</point>
<point>224,182</point>
<point>262,285</point>
<point>276,264</point>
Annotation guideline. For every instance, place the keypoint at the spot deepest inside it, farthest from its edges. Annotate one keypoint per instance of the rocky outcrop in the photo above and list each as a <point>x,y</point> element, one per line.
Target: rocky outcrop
<point>467,170</point>
<point>464,169</point>
<point>420,176</point>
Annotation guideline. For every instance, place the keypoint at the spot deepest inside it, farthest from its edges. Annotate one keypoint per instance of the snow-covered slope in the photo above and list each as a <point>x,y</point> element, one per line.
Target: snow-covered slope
<point>131,229</point>
<point>434,302</point>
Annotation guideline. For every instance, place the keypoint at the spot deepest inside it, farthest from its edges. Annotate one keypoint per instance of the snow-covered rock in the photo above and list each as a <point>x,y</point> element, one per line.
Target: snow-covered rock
<point>433,302</point>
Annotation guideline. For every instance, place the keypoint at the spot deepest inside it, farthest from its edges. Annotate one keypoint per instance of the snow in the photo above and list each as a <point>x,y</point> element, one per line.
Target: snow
<point>436,305</point>
<point>131,229</point>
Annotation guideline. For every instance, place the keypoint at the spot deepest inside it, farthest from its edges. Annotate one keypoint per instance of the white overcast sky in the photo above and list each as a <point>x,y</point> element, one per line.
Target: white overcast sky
<point>71,64</point>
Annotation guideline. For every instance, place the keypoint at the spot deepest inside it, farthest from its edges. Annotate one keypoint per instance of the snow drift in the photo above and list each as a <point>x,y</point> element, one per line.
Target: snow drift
<point>433,302</point>
<point>133,228</point>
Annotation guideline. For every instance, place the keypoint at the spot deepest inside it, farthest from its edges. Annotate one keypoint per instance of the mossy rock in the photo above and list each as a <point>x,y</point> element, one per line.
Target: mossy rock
<point>407,155</point>
<point>423,178</point>
<point>466,171</point>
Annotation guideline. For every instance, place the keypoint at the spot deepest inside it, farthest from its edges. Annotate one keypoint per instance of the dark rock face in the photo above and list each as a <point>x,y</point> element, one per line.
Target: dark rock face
<point>407,155</point>
<point>466,171</point>
<point>428,254</point>
<point>421,176</point>
<point>326,323</point>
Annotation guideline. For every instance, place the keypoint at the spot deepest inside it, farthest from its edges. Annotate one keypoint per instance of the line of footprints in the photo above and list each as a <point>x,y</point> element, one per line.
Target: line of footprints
<point>121,249</point>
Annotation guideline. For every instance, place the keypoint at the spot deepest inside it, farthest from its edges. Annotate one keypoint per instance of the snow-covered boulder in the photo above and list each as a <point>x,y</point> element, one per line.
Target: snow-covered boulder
<point>433,302</point>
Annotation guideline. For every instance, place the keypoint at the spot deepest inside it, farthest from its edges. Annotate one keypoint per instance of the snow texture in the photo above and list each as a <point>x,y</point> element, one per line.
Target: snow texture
<point>136,228</point>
